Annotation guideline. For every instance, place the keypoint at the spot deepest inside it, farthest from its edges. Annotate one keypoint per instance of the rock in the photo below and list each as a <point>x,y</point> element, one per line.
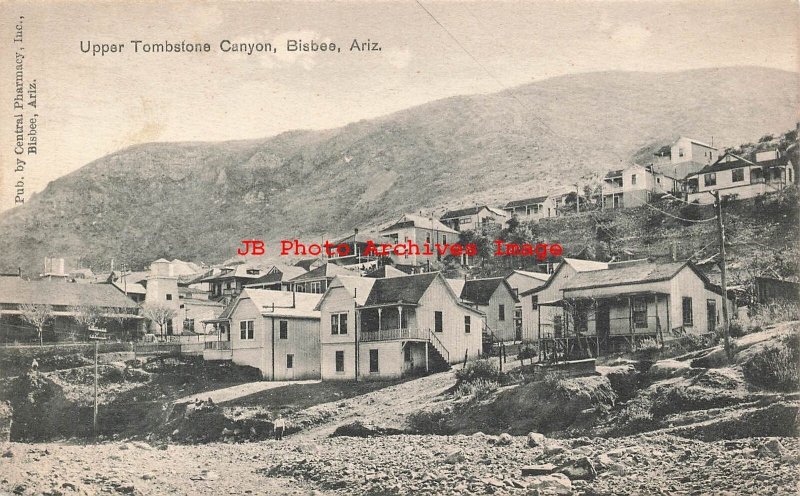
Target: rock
<point>771,449</point>
<point>493,481</point>
<point>505,439</point>
<point>176,432</point>
<point>535,439</point>
<point>8,454</point>
<point>665,369</point>
<point>125,446</point>
<point>604,462</point>
<point>141,445</point>
<point>455,457</point>
<point>544,469</point>
<point>148,476</point>
<point>553,448</point>
<point>580,469</point>
<point>551,484</point>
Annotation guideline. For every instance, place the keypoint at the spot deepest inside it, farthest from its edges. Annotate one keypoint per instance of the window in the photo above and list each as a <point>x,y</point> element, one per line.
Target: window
<point>467,323</point>
<point>710,179</point>
<point>339,323</point>
<point>246,329</point>
<point>633,179</point>
<point>680,152</point>
<point>737,175</point>
<point>169,327</point>
<point>289,361</point>
<point>535,302</point>
<point>639,312</point>
<point>687,311</point>
<point>340,361</point>
<point>169,297</point>
<point>373,361</point>
<point>315,287</point>
<point>284,329</point>
<point>407,353</point>
<point>438,323</point>
<point>501,313</point>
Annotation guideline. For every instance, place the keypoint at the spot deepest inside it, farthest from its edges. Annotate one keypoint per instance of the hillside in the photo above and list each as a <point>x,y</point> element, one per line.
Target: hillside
<point>196,201</point>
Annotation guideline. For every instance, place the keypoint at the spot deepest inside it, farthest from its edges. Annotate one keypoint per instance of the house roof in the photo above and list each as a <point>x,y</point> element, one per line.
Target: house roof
<point>526,201</point>
<point>14,290</point>
<point>307,263</point>
<point>406,289</point>
<point>327,271</point>
<point>630,274</point>
<point>457,285</point>
<point>481,290</point>
<point>576,263</point>
<point>614,173</point>
<point>358,287</point>
<point>130,287</point>
<point>696,142</point>
<point>418,221</point>
<point>385,271</point>
<point>534,275</point>
<point>287,303</point>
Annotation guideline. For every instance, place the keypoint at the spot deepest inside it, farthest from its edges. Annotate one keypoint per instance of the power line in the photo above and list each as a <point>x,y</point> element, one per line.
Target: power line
<point>681,218</point>
<point>492,76</point>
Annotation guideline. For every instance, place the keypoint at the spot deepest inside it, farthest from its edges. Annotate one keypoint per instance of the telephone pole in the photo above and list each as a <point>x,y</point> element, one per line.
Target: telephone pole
<point>724,269</point>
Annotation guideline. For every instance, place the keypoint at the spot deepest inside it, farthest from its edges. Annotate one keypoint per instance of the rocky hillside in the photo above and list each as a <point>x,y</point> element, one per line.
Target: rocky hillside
<point>196,201</point>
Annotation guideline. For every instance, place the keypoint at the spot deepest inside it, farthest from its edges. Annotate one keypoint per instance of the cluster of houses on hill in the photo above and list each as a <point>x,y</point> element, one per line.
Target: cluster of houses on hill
<point>690,170</point>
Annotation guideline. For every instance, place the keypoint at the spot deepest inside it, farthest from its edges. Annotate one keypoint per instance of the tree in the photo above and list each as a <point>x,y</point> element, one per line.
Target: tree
<point>86,315</point>
<point>37,316</point>
<point>159,314</point>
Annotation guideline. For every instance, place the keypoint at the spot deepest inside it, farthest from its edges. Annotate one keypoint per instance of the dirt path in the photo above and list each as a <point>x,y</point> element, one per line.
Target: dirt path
<point>239,391</point>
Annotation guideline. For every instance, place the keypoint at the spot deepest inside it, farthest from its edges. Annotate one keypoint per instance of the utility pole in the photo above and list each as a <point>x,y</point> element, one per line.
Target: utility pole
<point>96,335</point>
<point>724,269</point>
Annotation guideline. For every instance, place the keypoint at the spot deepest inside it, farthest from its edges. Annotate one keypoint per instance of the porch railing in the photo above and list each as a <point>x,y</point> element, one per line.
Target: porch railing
<point>218,345</point>
<point>393,334</point>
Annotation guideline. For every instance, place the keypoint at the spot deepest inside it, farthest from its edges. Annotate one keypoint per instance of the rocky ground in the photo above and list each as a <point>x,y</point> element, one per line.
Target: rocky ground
<point>404,464</point>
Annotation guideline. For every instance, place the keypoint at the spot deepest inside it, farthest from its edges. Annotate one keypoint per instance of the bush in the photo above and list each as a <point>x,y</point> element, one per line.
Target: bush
<point>528,352</point>
<point>648,345</point>
<point>776,367</point>
<point>475,390</point>
<point>430,422</point>
<point>478,370</point>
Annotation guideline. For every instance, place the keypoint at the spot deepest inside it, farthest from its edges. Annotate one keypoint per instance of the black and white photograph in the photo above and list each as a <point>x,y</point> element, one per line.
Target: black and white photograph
<point>400,247</point>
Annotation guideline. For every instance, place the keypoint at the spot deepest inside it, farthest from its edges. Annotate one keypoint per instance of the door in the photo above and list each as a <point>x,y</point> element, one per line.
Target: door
<point>711,312</point>
<point>289,367</point>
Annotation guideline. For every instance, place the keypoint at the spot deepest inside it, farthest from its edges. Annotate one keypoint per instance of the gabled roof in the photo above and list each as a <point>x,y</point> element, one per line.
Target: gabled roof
<point>541,276</point>
<point>696,142</point>
<point>481,290</point>
<point>327,271</point>
<point>130,287</point>
<point>406,289</point>
<point>385,271</point>
<point>626,275</point>
<point>412,220</point>
<point>722,164</point>
<point>526,201</point>
<point>286,303</point>
<point>451,214</point>
<point>307,263</point>
<point>358,288</point>
<point>577,264</point>
<point>14,290</point>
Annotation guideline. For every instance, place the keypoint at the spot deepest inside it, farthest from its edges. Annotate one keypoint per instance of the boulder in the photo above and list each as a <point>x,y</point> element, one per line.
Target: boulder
<point>550,484</point>
<point>665,369</point>
<point>455,457</point>
<point>505,439</point>
<point>580,469</point>
<point>534,470</point>
<point>771,449</point>
<point>536,440</point>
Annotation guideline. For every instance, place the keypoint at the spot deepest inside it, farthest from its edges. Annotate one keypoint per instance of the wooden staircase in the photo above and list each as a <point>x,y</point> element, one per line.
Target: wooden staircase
<point>438,355</point>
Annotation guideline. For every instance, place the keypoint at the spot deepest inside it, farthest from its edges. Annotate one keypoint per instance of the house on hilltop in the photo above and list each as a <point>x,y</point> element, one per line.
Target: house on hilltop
<point>534,208</point>
<point>420,230</point>
<point>634,186</point>
<point>480,218</point>
<point>736,177</point>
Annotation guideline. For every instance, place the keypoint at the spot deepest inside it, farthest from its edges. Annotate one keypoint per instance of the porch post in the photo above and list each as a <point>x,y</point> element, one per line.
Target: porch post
<point>426,356</point>
<point>399,317</point>
<point>379,318</point>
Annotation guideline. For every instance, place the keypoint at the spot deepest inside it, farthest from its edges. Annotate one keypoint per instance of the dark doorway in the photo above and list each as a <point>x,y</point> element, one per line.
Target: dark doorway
<point>603,324</point>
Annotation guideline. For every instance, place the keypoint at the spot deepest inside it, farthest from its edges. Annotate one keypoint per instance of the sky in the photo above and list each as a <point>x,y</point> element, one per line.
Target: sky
<point>89,106</point>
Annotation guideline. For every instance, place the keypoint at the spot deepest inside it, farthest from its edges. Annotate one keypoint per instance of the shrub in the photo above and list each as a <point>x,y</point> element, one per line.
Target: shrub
<point>776,367</point>
<point>478,370</point>
<point>475,390</point>
<point>528,352</point>
<point>648,345</point>
<point>430,422</point>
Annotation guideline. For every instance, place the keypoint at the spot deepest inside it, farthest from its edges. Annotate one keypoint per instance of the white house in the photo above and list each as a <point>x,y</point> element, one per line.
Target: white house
<point>419,230</point>
<point>276,332</point>
<point>535,208</point>
<point>736,177</point>
<point>634,186</point>
<point>478,218</point>
<point>496,299</point>
<point>401,325</point>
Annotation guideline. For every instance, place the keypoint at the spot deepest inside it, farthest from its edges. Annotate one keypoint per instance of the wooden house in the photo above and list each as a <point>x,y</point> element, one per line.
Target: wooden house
<point>276,332</point>
<point>496,299</point>
<point>401,325</point>
<point>480,218</point>
<point>736,177</point>
<point>420,230</point>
